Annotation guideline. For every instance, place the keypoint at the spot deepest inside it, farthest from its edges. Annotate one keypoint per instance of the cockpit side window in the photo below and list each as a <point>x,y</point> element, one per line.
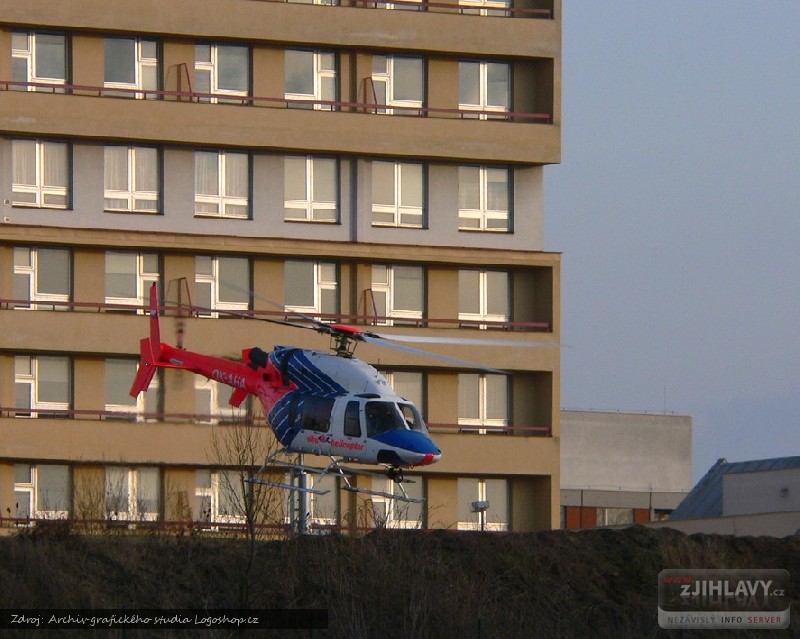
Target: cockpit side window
<point>317,414</point>
<point>352,423</point>
<point>382,417</point>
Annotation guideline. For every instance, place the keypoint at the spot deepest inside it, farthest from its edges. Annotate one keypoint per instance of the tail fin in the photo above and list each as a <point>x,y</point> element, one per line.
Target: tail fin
<point>150,348</point>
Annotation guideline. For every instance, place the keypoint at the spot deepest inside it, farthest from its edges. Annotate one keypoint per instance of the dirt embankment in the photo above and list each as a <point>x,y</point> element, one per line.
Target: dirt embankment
<point>391,583</point>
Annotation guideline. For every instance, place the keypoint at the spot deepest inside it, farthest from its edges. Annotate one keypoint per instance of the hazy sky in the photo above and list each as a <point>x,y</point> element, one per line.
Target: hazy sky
<point>677,209</point>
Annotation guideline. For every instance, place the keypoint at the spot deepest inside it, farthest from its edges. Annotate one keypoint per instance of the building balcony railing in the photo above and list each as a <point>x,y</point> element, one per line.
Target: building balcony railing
<point>438,7</point>
<point>282,102</point>
<point>192,311</point>
<point>255,420</point>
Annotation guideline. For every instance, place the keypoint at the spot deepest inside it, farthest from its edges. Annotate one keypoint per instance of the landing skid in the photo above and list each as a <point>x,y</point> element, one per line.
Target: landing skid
<point>335,468</point>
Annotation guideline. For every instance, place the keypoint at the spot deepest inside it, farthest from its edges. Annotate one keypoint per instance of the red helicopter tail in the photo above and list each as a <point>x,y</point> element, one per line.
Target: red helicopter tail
<point>150,349</point>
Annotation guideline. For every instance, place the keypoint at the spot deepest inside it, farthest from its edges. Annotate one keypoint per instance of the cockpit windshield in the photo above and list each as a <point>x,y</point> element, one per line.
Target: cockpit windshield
<point>412,418</point>
<point>385,416</point>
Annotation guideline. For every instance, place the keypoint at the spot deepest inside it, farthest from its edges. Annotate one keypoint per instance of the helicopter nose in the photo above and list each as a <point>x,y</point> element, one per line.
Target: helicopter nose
<point>417,448</point>
<point>429,459</point>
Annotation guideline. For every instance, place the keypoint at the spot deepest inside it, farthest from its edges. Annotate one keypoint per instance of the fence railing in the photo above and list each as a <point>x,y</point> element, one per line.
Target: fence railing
<point>282,102</point>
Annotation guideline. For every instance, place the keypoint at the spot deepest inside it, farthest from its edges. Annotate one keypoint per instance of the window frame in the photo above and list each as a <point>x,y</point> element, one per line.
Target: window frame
<point>38,408</point>
<point>482,494</point>
<point>131,498</point>
<point>212,67</point>
<point>483,214</point>
<point>320,75</point>
<point>31,54</point>
<point>487,110</point>
<point>213,280</point>
<point>320,284</point>
<point>144,279</point>
<point>388,512</point>
<point>132,195</point>
<point>388,78</point>
<point>141,64</point>
<point>222,200</point>
<point>485,7</point>
<point>311,205</point>
<point>482,423</point>
<point>38,300</point>
<point>38,189</point>
<point>213,492</point>
<point>388,288</point>
<point>142,405</point>
<point>398,210</point>
<point>483,314</point>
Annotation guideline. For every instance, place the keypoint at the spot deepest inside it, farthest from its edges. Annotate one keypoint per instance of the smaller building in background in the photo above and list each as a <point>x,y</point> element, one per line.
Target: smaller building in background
<point>757,497</point>
<point>623,468</point>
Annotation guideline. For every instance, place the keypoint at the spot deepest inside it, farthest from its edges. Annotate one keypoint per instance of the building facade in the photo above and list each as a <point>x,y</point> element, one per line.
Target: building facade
<point>374,163</point>
<point>623,468</point>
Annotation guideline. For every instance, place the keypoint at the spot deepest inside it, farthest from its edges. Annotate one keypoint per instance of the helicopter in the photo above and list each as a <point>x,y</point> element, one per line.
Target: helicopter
<point>326,404</point>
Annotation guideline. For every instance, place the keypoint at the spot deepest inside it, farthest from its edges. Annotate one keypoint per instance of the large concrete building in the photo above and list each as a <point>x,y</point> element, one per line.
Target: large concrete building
<point>622,468</point>
<point>377,163</point>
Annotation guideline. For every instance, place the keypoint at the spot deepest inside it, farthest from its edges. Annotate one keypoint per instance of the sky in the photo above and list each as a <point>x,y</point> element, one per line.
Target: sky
<point>677,209</point>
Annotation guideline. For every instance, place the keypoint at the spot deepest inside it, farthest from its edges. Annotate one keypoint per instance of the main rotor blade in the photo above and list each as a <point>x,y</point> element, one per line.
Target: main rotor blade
<point>416,351</point>
<point>308,318</point>
<point>466,341</point>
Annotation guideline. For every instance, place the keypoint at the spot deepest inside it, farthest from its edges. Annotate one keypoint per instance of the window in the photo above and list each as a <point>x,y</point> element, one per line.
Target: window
<point>311,187</point>
<point>221,184</point>
<point>494,495</point>
<point>212,403</point>
<point>404,5</point>
<point>484,86</point>
<point>119,375</point>
<point>39,58</point>
<point>42,385</point>
<point>41,173</point>
<point>222,283</point>
<point>132,494</point>
<point>482,402</point>
<point>129,277</point>
<point>409,385</point>
<point>42,275</point>
<point>483,296</point>
<point>325,507</point>
<point>24,491</point>
<point>131,179</point>
<point>614,516</point>
<point>397,293</point>
<point>41,492</point>
<point>131,64</point>
<point>310,77</point>
<point>221,70</point>
<point>398,81</point>
<point>483,198</point>
<point>219,497</point>
<point>312,287</point>
<point>485,7</point>
<point>394,512</point>
<point>398,194</point>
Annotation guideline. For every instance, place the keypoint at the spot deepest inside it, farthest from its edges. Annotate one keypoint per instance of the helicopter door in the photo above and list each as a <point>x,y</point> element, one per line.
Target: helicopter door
<point>352,420</point>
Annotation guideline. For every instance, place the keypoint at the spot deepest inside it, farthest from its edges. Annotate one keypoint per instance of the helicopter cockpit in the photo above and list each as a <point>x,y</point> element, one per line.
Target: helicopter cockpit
<point>383,416</point>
